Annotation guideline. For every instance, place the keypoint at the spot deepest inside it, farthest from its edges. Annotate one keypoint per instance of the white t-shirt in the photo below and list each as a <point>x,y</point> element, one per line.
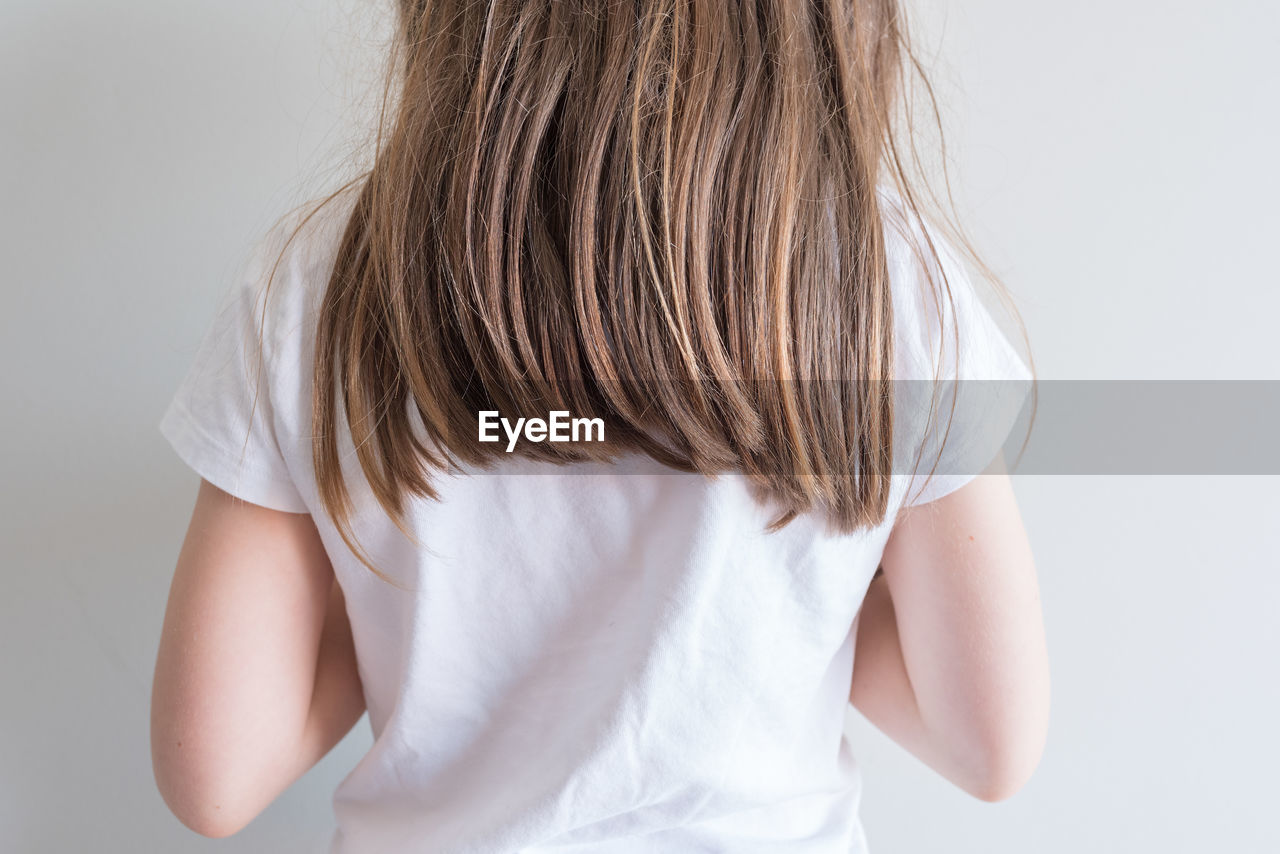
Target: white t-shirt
<point>607,658</point>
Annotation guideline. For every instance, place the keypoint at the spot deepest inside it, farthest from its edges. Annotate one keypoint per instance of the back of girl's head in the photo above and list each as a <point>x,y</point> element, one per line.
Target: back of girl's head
<point>661,214</point>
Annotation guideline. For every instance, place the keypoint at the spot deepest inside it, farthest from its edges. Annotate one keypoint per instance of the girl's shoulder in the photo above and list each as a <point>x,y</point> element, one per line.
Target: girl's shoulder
<point>289,266</point>
<point>944,328</point>
<point>960,384</point>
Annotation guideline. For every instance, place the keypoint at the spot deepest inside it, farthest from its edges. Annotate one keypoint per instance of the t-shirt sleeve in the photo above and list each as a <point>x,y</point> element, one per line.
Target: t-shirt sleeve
<point>961,386</point>
<point>221,421</point>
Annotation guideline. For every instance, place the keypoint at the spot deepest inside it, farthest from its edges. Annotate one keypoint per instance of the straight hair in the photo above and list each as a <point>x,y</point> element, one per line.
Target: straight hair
<point>664,214</point>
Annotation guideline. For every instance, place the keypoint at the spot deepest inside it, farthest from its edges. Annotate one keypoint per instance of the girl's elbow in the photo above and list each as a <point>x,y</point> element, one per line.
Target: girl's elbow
<point>1010,737</point>
<point>200,796</point>
<point>1001,782</point>
<point>1006,761</point>
<point>211,824</point>
<point>209,815</point>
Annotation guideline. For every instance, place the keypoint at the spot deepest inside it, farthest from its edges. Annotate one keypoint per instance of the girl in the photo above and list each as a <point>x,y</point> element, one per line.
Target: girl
<point>687,221</point>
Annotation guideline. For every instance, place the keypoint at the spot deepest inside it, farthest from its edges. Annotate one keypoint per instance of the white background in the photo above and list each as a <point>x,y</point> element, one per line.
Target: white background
<point>1116,161</point>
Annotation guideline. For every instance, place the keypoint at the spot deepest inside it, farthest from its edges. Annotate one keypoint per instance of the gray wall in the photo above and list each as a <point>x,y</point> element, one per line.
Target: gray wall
<point>1116,162</point>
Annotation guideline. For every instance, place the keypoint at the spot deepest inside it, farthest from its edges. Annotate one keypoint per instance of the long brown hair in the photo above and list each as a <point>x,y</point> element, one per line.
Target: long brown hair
<point>660,213</point>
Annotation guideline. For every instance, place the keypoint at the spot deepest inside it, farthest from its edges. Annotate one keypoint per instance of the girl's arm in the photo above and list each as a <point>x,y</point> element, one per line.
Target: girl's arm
<point>951,659</point>
<point>256,675</point>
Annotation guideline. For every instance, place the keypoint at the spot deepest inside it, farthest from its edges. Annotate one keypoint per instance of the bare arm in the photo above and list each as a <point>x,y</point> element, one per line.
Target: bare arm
<point>951,658</point>
<point>256,678</point>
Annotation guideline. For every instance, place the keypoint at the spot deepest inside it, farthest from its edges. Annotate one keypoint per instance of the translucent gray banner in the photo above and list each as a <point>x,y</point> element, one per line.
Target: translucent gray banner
<point>1145,427</point>
<point>1071,427</point>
